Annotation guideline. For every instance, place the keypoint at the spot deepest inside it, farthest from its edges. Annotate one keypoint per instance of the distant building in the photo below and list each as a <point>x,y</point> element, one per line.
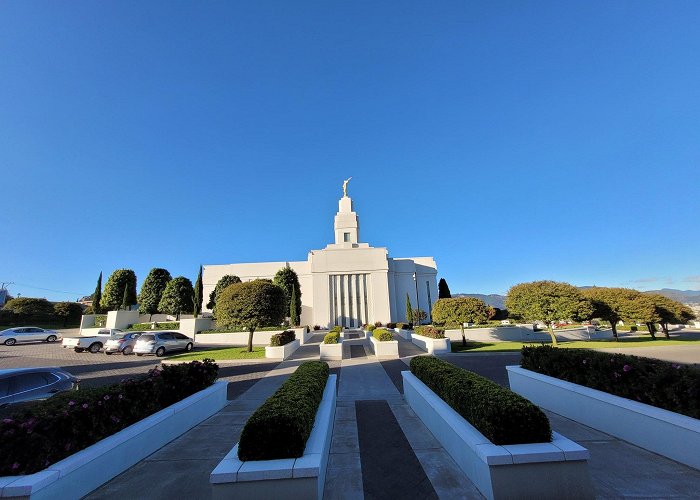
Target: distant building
<point>348,283</point>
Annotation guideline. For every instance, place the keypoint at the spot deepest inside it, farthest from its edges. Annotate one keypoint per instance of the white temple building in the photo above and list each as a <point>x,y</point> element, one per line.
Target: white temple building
<point>348,283</point>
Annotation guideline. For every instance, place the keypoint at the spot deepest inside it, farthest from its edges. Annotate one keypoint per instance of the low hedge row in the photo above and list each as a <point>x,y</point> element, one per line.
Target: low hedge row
<point>239,329</point>
<point>391,325</point>
<point>279,339</point>
<point>331,338</point>
<point>370,328</point>
<point>382,335</point>
<point>169,325</point>
<point>501,415</point>
<point>282,425</point>
<point>337,329</point>
<point>654,382</point>
<point>431,332</point>
<point>49,431</point>
<point>404,326</point>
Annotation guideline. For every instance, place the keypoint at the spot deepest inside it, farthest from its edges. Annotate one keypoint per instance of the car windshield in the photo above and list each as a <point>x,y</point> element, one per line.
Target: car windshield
<point>120,335</point>
<point>147,337</point>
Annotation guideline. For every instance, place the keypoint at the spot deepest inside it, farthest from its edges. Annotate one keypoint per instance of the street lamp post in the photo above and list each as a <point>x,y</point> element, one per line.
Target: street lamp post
<point>415,282</point>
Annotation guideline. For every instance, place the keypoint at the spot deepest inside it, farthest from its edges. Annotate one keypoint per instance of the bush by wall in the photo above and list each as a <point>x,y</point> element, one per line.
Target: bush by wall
<point>378,324</point>
<point>331,338</point>
<point>317,328</point>
<point>51,430</point>
<point>100,321</point>
<point>282,425</point>
<point>239,329</point>
<point>169,325</point>
<point>404,326</point>
<point>337,329</point>
<point>391,325</point>
<point>501,415</point>
<point>429,331</point>
<point>371,328</point>
<point>283,338</point>
<point>382,335</point>
<point>658,383</point>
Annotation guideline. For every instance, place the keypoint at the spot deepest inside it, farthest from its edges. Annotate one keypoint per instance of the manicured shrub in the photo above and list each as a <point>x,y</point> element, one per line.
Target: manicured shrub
<point>501,415</point>
<point>49,431</point>
<point>337,329</point>
<point>404,326</point>
<point>165,325</point>
<point>317,328</point>
<point>100,321</point>
<point>429,331</point>
<point>391,325</point>
<point>658,383</point>
<point>279,339</point>
<point>378,324</point>
<point>382,335</point>
<point>331,338</point>
<point>371,328</point>
<point>282,425</point>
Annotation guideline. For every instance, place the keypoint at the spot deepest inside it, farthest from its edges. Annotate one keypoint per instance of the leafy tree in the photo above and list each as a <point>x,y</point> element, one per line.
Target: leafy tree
<point>221,285</point>
<point>30,309</point>
<point>288,280</point>
<point>460,310</point>
<point>610,304</point>
<point>443,290</point>
<point>252,305</point>
<point>294,317</point>
<point>419,315</point>
<point>113,296</point>
<point>97,296</point>
<point>152,290</point>
<point>548,301</point>
<point>641,308</point>
<point>409,309</point>
<point>670,311</point>
<point>68,311</point>
<point>178,297</point>
<point>198,293</point>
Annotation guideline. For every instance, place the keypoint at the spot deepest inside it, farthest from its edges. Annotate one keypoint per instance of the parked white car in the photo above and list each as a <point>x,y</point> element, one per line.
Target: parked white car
<point>28,334</point>
<point>92,343</point>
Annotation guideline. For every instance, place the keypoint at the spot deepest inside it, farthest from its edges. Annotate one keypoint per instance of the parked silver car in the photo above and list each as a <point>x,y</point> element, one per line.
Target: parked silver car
<point>28,334</point>
<point>162,342</point>
<point>29,384</point>
<point>123,342</point>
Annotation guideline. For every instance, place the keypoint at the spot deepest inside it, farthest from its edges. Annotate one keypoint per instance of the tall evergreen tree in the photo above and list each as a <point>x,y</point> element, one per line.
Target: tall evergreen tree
<point>178,297</point>
<point>221,285</point>
<point>287,279</point>
<point>97,296</point>
<point>409,310</point>
<point>125,299</point>
<point>152,290</point>
<point>293,315</point>
<point>113,295</point>
<point>443,290</point>
<point>198,292</point>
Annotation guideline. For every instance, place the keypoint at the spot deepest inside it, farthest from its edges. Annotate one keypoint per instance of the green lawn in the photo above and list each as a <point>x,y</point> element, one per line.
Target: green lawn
<point>222,354</point>
<point>574,344</point>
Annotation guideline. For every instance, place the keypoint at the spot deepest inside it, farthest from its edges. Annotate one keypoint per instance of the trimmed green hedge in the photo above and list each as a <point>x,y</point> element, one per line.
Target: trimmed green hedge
<point>391,325</point>
<point>501,415</point>
<point>658,383</point>
<point>382,335</point>
<point>331,338</point>
<point>100,321</point>
<point>404,326</point>
<point>279,339</point>
<point>429,331</point>
<point>239,329</point>
<point>371,328</point>
<point>337,329</point>
<point>172,325</point>
<point>282,425</point>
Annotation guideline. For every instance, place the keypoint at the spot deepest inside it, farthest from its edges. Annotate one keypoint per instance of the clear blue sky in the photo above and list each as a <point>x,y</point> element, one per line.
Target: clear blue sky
<point>513,141</point>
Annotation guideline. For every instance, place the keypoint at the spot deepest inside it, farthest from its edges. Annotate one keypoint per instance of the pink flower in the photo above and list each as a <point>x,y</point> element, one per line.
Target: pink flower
<point>8,421</point>
<point>585,361</point>
<point>120,396</point>
<point>85,405</point>
<point>106,398</point>
<point>71,403</point>
<point>626,368</point>
<point>15,466</point>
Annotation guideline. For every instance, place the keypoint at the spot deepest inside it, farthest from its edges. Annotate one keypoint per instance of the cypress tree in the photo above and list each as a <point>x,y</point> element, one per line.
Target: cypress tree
<point>152,290</point>
<point>443,290</point>
<point>97,296</point>
<point>198,291</point>
<point>293,314</point>
<point>125,299</point>
<point>409,310</point>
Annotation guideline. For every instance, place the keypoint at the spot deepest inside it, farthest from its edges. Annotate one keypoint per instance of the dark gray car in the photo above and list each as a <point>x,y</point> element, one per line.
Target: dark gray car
<point>18,385</point>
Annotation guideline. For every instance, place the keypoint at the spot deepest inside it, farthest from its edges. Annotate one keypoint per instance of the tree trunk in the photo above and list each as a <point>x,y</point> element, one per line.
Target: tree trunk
<point>464,339</point>
<point>150,317</point>
<point>664,328</point>
<point>652,330</point>
<point>250,339</point>
<point>551,334</point>
<point>614,329</point>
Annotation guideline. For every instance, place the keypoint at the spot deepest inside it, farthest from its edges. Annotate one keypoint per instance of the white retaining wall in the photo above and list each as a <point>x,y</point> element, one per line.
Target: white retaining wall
<point>386,349</point>
<point>523,334</point>
<point>235,338</point>
<point>281,351</point>
<point>433,346</point>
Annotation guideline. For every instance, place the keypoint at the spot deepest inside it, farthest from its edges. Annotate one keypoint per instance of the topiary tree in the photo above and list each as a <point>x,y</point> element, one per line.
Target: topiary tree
<point>288,280</point>
<point>221,285</point>
<point>460,310</point>
<point>252,305</point>
<point>293,308</point>
<point>443,290</point>
<point>26,309</point>
<point>409,310</point>
<point>68,311</point>
<point>152,290</point>
<point>97,296</point>
<point>548,301</point>
<point>198,293</point>
<point>178,297</point>
<point>113,296</point>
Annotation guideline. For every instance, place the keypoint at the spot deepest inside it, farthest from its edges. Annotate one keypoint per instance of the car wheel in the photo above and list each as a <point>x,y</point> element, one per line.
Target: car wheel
<point>139,354</point>
<point>79,349</point>
<point>160,351</point>
<point>128,351</point>
<point>10,342</point>
<point>189,347</point>
<point>95,348</point>
<point>108,353</point>
<point>51,338</point>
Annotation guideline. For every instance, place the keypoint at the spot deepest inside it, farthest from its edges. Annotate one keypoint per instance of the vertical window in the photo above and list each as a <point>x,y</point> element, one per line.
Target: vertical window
<point>346,237</point>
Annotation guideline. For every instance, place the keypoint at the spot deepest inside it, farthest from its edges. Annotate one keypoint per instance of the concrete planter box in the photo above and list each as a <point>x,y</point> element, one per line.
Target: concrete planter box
<point>664,432</point>
<point>331,351</point>
<point>404,334</point>
<point>540,470</point>
<point>82,472</point>
<point>292,478</point>
<point>386,349</point>
<point>303,334</point>
<point>282,351</point>
<point>433,346</point>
